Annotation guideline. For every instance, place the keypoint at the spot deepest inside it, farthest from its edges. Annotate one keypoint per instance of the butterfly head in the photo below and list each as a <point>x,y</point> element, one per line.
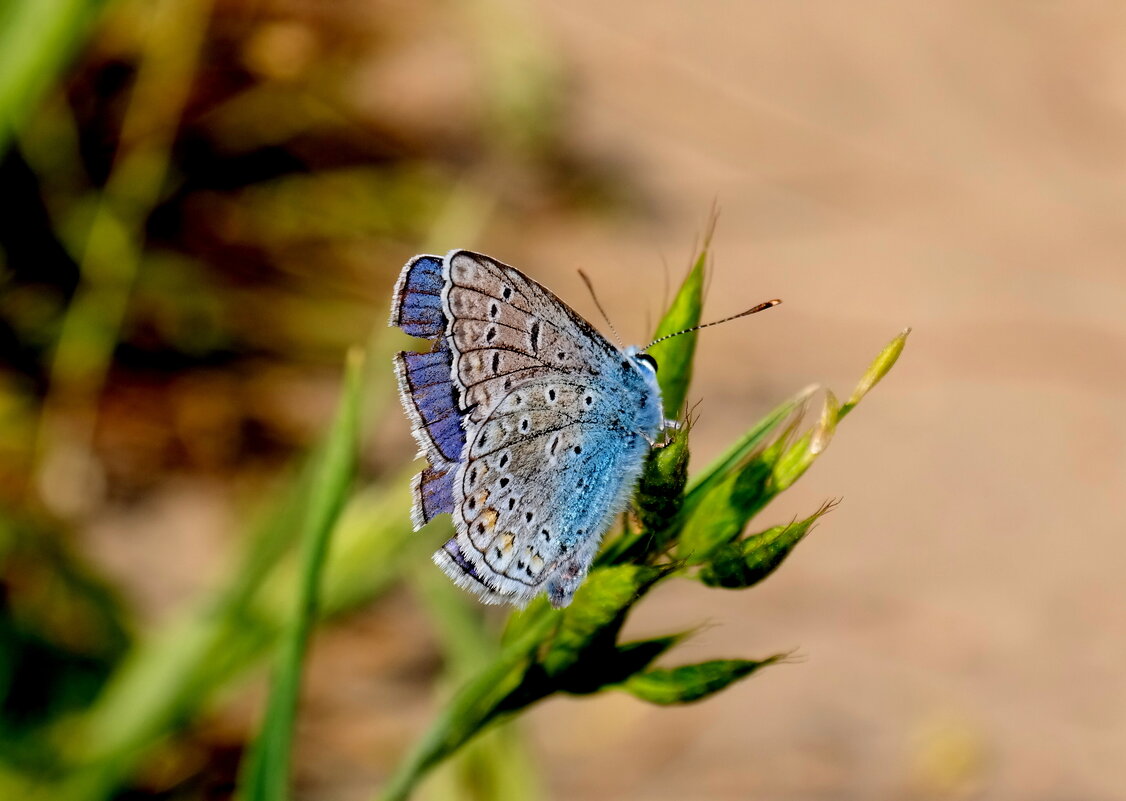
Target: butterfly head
<point>651,416</point>
<point>644,362</point>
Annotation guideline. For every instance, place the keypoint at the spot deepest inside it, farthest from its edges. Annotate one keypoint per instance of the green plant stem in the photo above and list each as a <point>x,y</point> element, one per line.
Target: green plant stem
<point>266,777</point>
<point>470,710</point>
<point>496,766</point>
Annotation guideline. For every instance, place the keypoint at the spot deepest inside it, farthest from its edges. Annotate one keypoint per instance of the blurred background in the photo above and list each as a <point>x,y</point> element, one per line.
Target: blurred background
<point>205,202</point>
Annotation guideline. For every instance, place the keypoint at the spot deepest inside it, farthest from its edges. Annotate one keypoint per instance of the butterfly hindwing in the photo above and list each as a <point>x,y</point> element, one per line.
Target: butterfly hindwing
<point>542,480</point>
<point>426,387</point>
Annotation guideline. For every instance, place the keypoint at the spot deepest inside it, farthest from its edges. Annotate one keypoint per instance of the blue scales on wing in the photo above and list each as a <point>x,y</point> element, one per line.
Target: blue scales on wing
<point>429,396</point>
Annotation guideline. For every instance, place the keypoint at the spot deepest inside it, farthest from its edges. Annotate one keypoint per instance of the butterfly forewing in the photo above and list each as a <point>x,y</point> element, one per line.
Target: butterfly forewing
<point>506,329</point>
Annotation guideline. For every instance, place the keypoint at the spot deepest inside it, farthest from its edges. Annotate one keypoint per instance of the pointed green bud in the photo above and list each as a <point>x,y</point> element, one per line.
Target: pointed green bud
<point>675,356</point>
<point>682,685</point>
<point>661,490</point>
<point>747,562</point>
<point>876,371</point>
<point>796,459</point>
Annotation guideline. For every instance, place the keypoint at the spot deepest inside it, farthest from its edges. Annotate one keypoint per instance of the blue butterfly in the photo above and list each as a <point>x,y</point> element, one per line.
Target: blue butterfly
<point>534,427</point>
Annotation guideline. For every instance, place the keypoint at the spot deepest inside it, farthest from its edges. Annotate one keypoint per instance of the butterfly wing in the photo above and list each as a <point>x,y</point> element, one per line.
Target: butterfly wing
<point>543,477</point>
<point>505,329</point>
<point>426,388</point>
<point>557,421</point>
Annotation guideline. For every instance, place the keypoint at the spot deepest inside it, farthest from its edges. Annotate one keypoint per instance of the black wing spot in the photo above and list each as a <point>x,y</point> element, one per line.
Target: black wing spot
<point>473,476</point>
<point>504,482</point>
<point>511,504</point>
<point>578,449</point>
<point>489,337</point>
<point>547,535</point>
<point>524,424</point>
<point>496,361</point>
<point>497,551</point>
<point>503,459</point>
<point>507,293</point>
<point>625,364</point>
<point>480,528</point>
<point>493,311</point>
<point>528,516</point>
<point>561,355</point>
<point>483,438</point>
<point>554,444</point>
<point>551,394</point>
<point>589,400</point>
<point>534,335</point>
<point>528,572</point>
<point>472,503</point>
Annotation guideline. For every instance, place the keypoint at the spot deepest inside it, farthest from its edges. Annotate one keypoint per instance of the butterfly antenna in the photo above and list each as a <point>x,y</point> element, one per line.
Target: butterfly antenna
<point>753,310</point>
<point>602,311</point>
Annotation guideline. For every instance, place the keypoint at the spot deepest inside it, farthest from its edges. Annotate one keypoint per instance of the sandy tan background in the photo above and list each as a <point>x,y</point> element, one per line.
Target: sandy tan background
<point>956,167</point>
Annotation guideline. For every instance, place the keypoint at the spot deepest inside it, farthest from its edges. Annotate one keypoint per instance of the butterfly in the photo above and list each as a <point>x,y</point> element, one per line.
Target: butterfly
<point>534,427</point>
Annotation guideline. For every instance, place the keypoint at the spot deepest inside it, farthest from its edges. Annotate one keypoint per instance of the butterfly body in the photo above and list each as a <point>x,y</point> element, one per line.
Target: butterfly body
<point>535,428</point>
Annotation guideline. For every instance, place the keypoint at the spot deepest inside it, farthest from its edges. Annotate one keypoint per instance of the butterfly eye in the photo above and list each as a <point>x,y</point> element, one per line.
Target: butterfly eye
<point>645,357</point>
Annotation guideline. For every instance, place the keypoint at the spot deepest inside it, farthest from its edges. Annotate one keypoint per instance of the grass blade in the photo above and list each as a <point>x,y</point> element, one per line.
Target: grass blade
<point>688,683</point>
<point>266,775</point>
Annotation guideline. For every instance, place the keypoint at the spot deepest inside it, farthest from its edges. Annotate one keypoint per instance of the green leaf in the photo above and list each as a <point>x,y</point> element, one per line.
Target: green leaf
<point>720,515</point>
<point>797,458</point>
<point>530,617</point>
<point>747,562</point>
<point>876,371</point>
<point>675,356</point>
<point>617,664</point>
<point>597,613</point>
<point>266,773</point>
<point>682,685</point>
<point>754,440</point>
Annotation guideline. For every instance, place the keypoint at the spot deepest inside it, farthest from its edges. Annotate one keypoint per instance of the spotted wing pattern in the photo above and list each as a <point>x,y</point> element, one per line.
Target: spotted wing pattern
<point>558,423</point>
<point>535,428</point>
